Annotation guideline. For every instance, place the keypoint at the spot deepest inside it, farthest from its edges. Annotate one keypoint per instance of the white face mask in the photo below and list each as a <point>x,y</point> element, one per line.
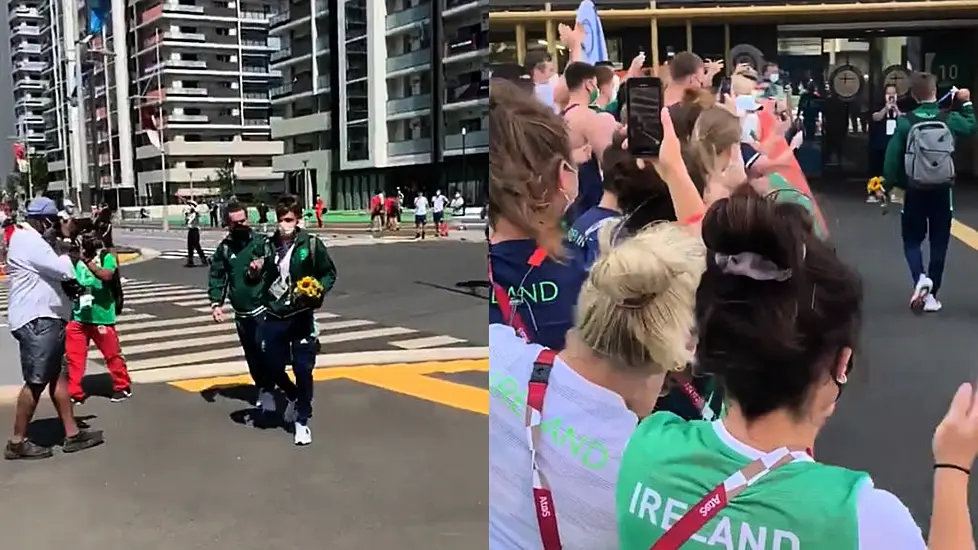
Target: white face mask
<point>286,229</point>
<point>774,77</point>
<point>545,91</point>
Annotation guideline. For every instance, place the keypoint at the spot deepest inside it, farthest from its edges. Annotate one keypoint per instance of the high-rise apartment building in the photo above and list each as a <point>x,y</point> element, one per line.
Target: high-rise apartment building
<point>396,96</point>
<point>200,68</point>
<point>302,102</point>
<point>29,65</point>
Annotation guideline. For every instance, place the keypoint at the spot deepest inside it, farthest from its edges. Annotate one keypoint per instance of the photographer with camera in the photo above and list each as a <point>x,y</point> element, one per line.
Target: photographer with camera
<point>41,273</point>
<point>93,319</point>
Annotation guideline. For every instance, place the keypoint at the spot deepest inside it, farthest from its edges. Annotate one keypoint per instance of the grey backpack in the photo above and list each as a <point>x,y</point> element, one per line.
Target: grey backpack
<point>929,156</point>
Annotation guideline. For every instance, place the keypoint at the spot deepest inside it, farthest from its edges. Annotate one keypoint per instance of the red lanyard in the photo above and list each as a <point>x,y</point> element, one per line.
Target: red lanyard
<point>543,498</point>
<point>510,316</point>
<point>693,395</point>
<point>706,509</point>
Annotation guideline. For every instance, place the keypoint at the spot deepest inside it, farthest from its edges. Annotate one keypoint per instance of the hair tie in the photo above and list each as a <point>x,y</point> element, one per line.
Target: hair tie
<point>751,265</point>
<point>636,302</point>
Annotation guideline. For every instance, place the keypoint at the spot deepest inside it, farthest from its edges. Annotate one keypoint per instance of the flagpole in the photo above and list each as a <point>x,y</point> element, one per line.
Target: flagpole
<point>108,115</point>
<point>27,151</point>
<point>159,98</point>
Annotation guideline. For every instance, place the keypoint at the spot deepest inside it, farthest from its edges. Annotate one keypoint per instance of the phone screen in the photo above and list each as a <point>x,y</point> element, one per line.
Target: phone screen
<point>644,122</point>
<point>724,88</point>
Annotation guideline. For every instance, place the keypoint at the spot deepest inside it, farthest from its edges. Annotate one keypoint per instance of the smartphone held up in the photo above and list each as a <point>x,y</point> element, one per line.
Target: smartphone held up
<point>644,123</point>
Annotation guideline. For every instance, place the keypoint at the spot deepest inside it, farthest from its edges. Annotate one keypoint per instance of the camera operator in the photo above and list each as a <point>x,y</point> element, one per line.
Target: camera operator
<point>41,272</point>
<point>882,128</point>
<point>93,319</point>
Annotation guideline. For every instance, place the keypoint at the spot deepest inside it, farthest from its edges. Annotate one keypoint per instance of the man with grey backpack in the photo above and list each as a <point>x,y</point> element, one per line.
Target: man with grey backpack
<point>920,159</point>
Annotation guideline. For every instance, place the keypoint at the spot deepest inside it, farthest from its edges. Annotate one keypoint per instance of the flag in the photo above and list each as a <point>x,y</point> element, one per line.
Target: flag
<point>594,46</point>
<point>789,182</point>
<point>97,11</point>
<point>20,156</point>
<point>150,122</point>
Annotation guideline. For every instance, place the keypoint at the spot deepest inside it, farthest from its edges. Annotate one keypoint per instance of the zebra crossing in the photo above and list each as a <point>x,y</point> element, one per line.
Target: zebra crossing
<point>331,242</point>
<point>169,326</point>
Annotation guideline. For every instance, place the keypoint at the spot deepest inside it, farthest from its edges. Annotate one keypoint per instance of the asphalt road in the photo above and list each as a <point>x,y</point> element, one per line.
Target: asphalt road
<point>410,284</point>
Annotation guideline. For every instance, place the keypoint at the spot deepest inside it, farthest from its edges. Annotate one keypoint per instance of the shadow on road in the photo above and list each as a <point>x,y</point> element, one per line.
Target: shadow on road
<point>49,432</point>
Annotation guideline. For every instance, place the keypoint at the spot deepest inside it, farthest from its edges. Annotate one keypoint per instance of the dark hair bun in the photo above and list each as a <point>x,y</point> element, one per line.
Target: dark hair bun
<point>749,222</point>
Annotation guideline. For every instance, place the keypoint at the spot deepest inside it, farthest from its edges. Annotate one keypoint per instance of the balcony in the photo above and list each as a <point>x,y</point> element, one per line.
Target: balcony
<point>409,147</point>
<point>30,119</point>
<point>256,122</point>
<point>30,84</point>
<point>466,142</point>
<point>31,66</point>
<point>254,17</point>
<point>26,30</point>
<point>280,55</point>
<point>185,36</point>
<point>408,60</point>
<point>29,101</point>
<point>23,12</point>
<point>187,119</point>
<point>255,96</point>
<point>408,16</point>
<point>280,91</point>
<point>473,91</point>
<point>185,63</point>
<point>255,69</point>
<point>186,91</point>
<point>222,149</point>
<point>408,104</point>
<point>456,7</point>
<point>279,18</point>
<point>301,125</point>
<point>26,48</point>
<point>182,8</point>
<point>255,44</point>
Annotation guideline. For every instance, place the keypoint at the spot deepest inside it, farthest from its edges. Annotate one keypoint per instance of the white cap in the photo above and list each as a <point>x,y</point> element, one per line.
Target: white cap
<point>68,203</point>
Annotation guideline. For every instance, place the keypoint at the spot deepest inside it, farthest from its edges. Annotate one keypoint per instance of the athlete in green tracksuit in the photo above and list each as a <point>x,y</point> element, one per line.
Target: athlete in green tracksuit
<point>230,280</point>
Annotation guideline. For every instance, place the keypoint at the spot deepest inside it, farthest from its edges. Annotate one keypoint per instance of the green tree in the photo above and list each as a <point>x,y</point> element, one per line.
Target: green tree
<point>225,180</point>
<point>39,174</point>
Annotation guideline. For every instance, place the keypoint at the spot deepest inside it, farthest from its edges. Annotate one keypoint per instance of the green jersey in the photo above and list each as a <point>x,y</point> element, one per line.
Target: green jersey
<point>97,305</point>
<point>670,464</point>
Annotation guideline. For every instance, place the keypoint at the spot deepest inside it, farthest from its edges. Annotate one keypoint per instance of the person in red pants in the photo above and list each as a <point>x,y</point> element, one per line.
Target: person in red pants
<point>93,320</point>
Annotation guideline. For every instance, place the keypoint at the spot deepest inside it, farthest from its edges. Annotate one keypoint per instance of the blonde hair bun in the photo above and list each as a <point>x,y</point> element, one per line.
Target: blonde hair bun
<point>637,304</point>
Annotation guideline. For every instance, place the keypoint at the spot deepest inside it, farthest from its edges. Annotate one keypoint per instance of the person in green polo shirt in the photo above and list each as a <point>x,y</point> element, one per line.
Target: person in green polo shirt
<point>93,319</point>
<point>778,316</point>
<point>229,280</point>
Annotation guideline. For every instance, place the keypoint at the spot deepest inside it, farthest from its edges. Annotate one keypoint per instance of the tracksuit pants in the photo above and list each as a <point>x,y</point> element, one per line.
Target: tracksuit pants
<point>250,334</point>
<point>927,215</point>
<point>294,336</point>
<point>78,336</point>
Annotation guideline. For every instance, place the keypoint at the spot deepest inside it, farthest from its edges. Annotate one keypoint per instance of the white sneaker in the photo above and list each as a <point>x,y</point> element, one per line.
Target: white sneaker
<point>920,293</point>
<point>872,199</point>
<point>932,304</point>
<point>266,401</point>
<point>289,415</point>
<point>303,435</point>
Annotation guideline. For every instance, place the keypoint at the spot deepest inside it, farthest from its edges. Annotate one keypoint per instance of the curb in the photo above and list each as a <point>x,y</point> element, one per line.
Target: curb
<point>145,255</point>
<point>234,368</point>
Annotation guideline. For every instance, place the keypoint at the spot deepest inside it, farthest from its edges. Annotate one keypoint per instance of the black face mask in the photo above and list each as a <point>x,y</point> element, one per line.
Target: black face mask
<point>240,232</point>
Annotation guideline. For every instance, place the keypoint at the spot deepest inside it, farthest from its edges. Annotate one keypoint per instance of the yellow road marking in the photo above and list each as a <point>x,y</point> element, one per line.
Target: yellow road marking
<point>128,257</point>
<point>405,378</point>
<point>965,234</point>
<point>442,392</point>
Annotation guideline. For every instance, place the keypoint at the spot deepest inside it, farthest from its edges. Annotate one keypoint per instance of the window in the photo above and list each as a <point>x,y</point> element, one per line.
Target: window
<point>223,58</point>
<point>192,137</point>
<point>191,84</point>
<point>189,57</point>
<point>191,110</point>
<point>221,31</point>
<point>358,143</point>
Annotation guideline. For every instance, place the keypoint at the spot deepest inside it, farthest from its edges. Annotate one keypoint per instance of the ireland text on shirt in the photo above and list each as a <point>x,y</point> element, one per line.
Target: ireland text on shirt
<point>591,452</point>
<point>536,293</point>
<point>649,505</point>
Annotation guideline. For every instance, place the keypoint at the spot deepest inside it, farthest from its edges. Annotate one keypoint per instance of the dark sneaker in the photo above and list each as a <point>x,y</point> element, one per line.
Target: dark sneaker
<point>121,395</point>
<point>26,450</point>
<point>84,439</point>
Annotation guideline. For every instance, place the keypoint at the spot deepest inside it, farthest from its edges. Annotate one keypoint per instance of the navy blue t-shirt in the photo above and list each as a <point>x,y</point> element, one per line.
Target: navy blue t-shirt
<point>544,296</point>
<point>582,238</point>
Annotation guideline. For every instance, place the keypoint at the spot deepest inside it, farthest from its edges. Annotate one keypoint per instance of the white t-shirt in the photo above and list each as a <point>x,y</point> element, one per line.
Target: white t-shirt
<point>420,205</point>
<point>884,522</point>
<point>438,203</point>
<point>585,431</point>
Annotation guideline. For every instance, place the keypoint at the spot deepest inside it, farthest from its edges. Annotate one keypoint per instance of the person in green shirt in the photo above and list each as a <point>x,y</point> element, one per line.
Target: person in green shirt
<point>927,206</point>
<point>778,316</point>
<point>93,319</point>
<point>293,258</point>
<point>229,281</point>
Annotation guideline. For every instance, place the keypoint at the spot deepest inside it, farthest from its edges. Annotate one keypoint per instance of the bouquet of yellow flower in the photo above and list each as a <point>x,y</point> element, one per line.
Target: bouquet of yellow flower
<point>309,289</point>
<point>874,186</point>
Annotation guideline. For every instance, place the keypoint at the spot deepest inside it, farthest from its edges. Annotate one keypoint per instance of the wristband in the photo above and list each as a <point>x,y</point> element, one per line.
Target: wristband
<point>952,467</point>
